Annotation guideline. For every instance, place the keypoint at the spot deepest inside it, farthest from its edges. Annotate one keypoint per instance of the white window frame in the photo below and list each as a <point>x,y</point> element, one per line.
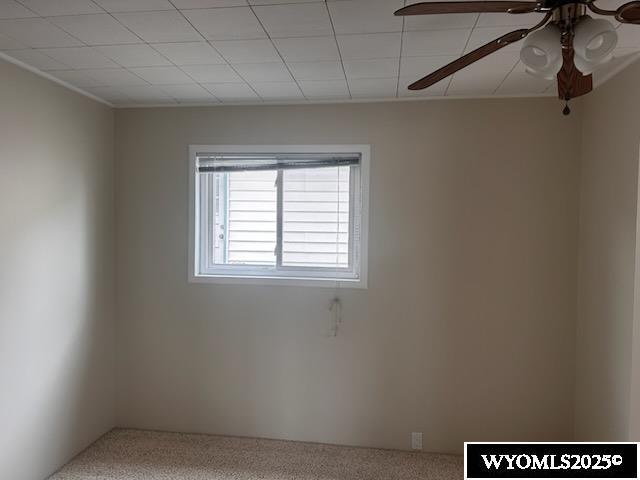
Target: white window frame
<point>249,275</point>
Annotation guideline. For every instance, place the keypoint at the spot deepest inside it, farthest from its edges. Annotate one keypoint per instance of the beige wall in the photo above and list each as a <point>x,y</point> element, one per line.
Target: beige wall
<point>609,181</point>
<point>465,333</point>
<point>468,330</point>
<point>56,273</point>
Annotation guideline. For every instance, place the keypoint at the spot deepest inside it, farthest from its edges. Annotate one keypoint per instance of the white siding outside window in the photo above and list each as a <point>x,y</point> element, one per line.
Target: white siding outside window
<point>316,218</point>
<point>247,223</point>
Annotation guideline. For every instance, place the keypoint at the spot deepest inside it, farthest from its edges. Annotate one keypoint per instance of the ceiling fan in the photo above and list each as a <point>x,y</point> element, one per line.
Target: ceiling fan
<point>567,43</point>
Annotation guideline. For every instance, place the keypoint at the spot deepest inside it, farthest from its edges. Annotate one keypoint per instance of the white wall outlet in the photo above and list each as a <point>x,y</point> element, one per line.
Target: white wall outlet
<point>416,440</point>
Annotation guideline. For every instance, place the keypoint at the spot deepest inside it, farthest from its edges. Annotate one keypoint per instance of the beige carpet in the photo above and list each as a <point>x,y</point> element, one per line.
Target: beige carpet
<point>136,455</point>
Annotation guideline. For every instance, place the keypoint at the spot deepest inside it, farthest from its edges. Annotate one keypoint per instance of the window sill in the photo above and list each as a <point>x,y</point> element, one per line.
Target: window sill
<point>280,281</point>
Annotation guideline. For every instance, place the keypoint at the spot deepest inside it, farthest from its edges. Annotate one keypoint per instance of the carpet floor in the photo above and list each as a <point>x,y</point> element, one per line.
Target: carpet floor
<point>136,455</point>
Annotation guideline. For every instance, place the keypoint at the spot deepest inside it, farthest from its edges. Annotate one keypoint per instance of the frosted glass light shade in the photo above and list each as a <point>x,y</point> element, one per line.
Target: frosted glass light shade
<point>587,67</point>
<point>542,52</point>
<point>594,41</point>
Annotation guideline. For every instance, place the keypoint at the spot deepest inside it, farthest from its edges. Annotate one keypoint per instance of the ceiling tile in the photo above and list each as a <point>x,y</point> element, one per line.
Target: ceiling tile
<point>110,94</point>
<point>316,70</point>
<point>606,69</point>
<point>37,32</point>
<point>80,57</point>
<point>324,89</point>
<point>369,38</point>
<point>434,42</point>
<point>159,26</point>
<point>435,90</point>
<point>375,68</point>
<point>307,49</point>
<point>481,36</point>
<point>101,29</point>
<point>369,46</point>
<point>196,53</point>
<point>610,4</point>
<point>365,16</point>
<point>12,9</point>
<point>134,55</point>
<point>8,43</point>
<point>439,22</point>
<point>373,87</point>
<point>484,76</point>
<point>119,6</point>
<point>418,67</point>
<point>48,8</point>
<point>114,77</point>
<point>231,91</point>
<point>277,2</point>
<point>509,19</point>
<point>75,77</point>
<point>621,52</point>
<point>209,3</point>
<point>248,51</point>
<point>263,72</point>
<point>37,59</point>
<point>189,93</point>
<point>212,73</point>
<point>295,20</point>
<point>520,82</point>
<point>628,35</point>
<point>278,90</point>
<point>226,23</point>
<point>163,75</point>
<point>146,95</point>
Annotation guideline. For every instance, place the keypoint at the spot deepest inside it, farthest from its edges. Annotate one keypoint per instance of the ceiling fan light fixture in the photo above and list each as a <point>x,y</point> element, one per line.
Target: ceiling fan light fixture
<point>587,67</point>
<point>594,41</point>
<point>549,74</point>
<point>542,52</point>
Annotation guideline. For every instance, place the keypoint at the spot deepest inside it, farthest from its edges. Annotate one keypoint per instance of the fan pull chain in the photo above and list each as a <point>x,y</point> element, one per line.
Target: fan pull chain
<point>566,110</point>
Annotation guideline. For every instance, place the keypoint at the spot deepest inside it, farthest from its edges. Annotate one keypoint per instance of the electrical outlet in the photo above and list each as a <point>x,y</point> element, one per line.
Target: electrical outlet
<point>416,440</point>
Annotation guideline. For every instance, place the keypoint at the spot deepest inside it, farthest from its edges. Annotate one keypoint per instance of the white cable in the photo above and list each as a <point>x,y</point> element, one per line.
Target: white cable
<point>336,309</point>
<point>336,304</point>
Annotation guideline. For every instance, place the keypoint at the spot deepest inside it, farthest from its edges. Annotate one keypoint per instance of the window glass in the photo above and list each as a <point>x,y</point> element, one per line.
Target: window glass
<point>245,218</point>
<point>316,217</point>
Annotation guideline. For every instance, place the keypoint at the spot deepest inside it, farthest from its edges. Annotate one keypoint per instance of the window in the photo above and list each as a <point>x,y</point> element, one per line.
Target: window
<point>289,215</point>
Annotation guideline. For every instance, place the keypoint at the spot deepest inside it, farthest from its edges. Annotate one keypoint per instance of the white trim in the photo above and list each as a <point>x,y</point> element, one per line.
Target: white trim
<point>634,387</point>
<point>42,74</point>
<point>253,276</point>
<point>334,101</point>
<point>280,281</point>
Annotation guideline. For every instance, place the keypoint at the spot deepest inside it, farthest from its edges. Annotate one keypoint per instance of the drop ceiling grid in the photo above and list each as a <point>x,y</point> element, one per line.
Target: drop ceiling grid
<point>354,48</point>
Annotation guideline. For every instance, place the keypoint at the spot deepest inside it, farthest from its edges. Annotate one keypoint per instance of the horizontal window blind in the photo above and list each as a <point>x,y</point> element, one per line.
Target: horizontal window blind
<point>315,223</point>
<point>219,163</point>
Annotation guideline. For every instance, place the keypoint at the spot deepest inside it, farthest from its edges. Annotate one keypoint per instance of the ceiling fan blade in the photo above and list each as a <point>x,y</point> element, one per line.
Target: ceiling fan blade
<point>571,82</point>
<point>627,13</point>
<point>434,8</point>
<point>469,58</point>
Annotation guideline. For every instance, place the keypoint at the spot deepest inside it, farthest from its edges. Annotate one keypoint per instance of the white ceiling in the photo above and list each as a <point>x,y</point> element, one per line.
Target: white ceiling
<point>134,52</point>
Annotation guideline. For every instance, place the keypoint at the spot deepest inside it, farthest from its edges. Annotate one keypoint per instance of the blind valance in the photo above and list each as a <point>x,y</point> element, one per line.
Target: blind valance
<point>212,163</point>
